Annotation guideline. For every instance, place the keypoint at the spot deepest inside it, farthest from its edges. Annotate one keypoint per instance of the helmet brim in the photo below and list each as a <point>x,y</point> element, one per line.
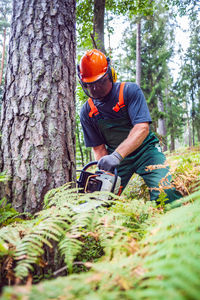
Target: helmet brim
<point>93,78</point>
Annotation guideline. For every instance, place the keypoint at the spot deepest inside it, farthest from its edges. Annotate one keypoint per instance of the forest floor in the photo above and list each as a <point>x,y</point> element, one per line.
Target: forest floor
<point>133,249</point>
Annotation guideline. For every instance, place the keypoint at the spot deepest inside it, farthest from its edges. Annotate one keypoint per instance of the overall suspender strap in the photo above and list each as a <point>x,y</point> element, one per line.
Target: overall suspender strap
<point>117,107</point>
<point>120,104</point>
<point>94,110</point>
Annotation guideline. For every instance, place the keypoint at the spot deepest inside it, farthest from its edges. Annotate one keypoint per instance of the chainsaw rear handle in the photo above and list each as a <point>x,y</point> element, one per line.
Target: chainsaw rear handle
<point>92,163</point>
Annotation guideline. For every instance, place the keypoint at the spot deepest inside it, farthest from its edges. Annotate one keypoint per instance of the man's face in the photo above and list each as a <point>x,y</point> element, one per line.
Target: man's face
<point>100,88</point>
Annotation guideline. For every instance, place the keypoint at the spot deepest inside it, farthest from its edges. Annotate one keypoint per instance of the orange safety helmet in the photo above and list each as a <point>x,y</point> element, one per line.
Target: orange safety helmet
<point>93,65</point>
<point>95,74</point>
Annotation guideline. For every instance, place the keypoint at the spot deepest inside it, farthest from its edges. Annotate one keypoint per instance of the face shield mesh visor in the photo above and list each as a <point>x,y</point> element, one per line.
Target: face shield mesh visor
<point>98,89</point>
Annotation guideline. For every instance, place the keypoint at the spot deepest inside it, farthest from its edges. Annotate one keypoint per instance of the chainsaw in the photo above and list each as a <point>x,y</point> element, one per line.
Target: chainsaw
<point>100,181</point>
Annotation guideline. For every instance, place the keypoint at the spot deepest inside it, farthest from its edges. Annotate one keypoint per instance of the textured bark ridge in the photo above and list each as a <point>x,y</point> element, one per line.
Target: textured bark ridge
<point>38,111</point>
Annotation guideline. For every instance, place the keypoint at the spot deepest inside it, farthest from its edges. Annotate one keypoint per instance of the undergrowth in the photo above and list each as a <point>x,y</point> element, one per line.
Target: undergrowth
<point>78,233</point>
<point>185,170</point>
<point>163,265</point>
<point>131,249</point>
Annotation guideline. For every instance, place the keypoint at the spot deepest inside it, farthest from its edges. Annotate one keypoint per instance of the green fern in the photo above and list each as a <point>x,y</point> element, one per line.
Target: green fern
<point>8,214</point>
<point>70,247</point>
<point>164,266</point>
<point>59,222</point>
<point>43,231</point>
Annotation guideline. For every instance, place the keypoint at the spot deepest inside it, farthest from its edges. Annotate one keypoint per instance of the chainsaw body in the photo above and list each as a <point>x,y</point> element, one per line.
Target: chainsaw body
<point>101,181</point>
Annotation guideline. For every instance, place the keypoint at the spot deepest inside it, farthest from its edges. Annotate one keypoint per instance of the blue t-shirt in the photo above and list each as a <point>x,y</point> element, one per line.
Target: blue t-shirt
<point>134,101</point>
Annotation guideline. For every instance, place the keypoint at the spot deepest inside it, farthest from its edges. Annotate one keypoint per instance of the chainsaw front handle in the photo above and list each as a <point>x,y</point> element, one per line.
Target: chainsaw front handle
<point>92,163</point>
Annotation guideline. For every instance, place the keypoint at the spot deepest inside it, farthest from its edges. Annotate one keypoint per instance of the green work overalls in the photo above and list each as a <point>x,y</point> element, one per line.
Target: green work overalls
<point>115,131</point>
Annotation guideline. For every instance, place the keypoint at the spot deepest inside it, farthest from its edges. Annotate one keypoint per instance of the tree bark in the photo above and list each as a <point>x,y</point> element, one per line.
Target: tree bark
<point>138,53</point>
<point>38,111</point>
<point>98,24</point>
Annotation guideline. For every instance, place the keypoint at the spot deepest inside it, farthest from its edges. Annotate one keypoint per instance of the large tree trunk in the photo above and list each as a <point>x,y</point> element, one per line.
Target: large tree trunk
<point>38,112</point>
<point>98,24</point>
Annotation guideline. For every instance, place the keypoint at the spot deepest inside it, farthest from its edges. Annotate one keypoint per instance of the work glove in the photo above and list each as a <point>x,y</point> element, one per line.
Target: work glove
<point>109,162</point>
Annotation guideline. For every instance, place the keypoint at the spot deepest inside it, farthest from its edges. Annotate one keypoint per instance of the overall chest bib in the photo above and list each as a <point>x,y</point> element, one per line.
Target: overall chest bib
<point>115,131</point>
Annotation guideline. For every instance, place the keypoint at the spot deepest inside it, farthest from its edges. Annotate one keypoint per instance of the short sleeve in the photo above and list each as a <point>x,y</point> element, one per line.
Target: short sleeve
<point>92,135</point>
<point>136,103</point>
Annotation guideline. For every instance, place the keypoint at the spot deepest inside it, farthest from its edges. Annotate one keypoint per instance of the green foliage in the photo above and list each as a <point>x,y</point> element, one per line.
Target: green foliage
<point>85,12</point>
<point>68,224</point>
<point>129,249</point>
<point>84,18</point>
<point>8,214</point>
<point>5,13</point>
<point>183,7</point>
<point>163,265</point>
<point>186,170</point>
<point>59,223</point>
<point>155,53</point>
<point>189,80</point>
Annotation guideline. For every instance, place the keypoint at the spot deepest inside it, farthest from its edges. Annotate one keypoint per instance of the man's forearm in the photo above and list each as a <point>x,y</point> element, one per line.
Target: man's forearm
<point>99,151</point>
<point>135,138</point>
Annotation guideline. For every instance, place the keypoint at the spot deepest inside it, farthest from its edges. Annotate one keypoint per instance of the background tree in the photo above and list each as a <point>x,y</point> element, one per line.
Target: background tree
<point>174,108</point>
<point>98,25</point>
<point>189,80</point>
<point>91,19</point>
<point>38,112</point>
<point>155,54</point>
<point>5,11</point>
<point>83,154</point>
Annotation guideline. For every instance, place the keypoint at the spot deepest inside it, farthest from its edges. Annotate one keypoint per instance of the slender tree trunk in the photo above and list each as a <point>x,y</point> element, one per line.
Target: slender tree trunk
<point>189,133</point>
<point>162,126</point>
<point>193,116</point>
<point>188,129</point>
<point>162,130</point>
<point>38,112</point>
<point>138,53</point>
<point>198,135</point>
<point>98,24</point>
<point>3,55</point>
<point>79,145</point>
<point>171,121</point>
<point>172,142</point>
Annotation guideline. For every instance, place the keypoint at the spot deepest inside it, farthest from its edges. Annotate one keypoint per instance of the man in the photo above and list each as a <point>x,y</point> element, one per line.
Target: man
<point>115,122</point>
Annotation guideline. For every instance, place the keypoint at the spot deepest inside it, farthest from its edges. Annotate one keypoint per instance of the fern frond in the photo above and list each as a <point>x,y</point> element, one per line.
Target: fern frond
<point>30,246</point>
<point>69,248</point>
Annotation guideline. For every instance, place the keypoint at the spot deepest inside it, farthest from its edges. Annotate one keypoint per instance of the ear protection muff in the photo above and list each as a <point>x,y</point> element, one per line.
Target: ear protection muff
<point>114,74</point>
<point>111,70</point>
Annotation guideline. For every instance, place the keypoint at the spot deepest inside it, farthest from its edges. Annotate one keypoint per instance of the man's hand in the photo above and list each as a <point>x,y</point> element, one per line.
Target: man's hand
<point>109,162</point>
